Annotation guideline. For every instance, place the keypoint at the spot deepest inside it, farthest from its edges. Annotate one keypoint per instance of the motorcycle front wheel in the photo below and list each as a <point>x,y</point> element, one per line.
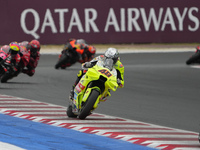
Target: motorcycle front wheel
<point>5,77</point>
<point>88,105</point>
<point>70,113</point>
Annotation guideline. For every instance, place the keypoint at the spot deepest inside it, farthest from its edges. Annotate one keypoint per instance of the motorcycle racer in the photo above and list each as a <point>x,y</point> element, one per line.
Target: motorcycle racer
<point>91,50</point>
<point>34,48</point>
<point>82,52</point>
<point>109,53</point>
<point>13,56</point>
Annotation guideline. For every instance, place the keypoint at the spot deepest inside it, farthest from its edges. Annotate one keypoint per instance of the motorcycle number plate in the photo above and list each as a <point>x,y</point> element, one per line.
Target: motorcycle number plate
<point>105,72</point>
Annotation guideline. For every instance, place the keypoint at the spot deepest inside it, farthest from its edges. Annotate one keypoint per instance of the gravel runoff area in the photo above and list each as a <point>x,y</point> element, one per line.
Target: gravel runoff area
<point>128,48</point>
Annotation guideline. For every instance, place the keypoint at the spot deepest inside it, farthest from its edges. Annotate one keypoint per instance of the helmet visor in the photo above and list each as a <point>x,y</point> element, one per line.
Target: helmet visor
<point>108,63</point>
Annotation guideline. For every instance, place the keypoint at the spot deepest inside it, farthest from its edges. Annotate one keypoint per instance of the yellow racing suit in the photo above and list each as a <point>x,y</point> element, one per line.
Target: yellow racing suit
<point>118,66</point>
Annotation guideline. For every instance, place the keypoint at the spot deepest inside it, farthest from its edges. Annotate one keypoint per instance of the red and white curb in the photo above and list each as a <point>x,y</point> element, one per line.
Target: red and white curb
<point>136,132</point>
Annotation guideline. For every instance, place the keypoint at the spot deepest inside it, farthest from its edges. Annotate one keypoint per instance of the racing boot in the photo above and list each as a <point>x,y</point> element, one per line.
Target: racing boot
<point>71,94</point>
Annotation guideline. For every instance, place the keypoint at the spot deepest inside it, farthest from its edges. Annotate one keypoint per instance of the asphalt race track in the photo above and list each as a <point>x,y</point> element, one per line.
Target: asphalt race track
<point>159,89</point>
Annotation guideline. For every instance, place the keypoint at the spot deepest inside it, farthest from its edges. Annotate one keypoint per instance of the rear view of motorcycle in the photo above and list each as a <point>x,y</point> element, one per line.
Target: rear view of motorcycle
<point>93,88</point>
<point>195,58</point>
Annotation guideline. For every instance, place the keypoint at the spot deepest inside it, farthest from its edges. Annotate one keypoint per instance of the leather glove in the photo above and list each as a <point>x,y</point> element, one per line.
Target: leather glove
<point>87,65</point>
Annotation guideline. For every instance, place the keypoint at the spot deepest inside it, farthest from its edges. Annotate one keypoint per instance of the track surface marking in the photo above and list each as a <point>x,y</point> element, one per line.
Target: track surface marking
<point>136,132</point>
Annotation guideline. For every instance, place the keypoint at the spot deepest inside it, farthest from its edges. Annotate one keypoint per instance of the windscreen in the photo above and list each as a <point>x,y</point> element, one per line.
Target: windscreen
<point>108,63</point>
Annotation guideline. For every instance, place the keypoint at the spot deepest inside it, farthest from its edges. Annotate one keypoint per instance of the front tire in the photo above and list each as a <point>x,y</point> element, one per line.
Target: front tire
<point>5,78</point>
<point>70,113</point>
<point>63,59</point>
<point>88,105</point>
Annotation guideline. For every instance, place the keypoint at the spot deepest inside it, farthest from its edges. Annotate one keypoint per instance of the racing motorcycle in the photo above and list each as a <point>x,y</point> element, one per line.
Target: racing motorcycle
<point>92,89</point>
<point>8,71</point>
<point>195,58</point>
<point>67,58</point>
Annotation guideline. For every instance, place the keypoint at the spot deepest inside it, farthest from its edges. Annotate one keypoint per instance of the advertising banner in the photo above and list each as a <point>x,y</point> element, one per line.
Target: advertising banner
<point>100,21</point>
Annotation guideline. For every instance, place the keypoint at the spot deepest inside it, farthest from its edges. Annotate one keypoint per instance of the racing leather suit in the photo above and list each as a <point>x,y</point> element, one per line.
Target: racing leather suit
<point>33,62</point>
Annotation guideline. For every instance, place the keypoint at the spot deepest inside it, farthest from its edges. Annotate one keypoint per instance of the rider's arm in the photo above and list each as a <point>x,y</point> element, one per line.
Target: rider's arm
<point>91,63</point>
<point>88,64</point>
<point>120,74</point>
<point>34,60</point>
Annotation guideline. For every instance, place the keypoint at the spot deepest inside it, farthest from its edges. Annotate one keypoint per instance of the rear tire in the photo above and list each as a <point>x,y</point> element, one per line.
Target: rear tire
<point>88,106</point>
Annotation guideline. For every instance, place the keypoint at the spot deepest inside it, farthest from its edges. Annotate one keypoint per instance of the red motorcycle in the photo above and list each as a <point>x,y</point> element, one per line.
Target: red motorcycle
<point>8,71</point>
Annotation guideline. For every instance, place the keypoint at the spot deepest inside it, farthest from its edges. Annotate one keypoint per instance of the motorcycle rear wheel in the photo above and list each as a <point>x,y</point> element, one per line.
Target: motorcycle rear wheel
<point>88,106</point>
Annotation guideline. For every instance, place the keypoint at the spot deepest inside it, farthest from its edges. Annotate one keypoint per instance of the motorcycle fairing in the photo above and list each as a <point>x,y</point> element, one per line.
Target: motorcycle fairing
<point>94,74</point>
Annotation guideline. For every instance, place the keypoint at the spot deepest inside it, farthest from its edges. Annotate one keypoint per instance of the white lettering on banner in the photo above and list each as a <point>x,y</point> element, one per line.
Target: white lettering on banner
<point>194,19</point>
<point>126,20</point>
<point>111,20</point>
<point>132,20</point>
<point>180,18</point>
<point>75,21</point>
<point>36,25</point>
<point>90,21</point>
<point>152,16</point>
<point>48,21</point>
<point>168,19</point>
<point>61,18</point>
<point>122,14</point>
